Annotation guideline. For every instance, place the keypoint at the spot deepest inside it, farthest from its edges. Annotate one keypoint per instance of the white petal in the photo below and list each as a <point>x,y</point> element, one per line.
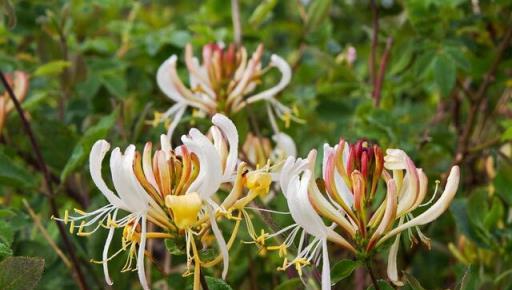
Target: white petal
<point>285,144</point>
<point>110,236</point>
<point>286,72</point>
<point>231,134</point>
<point>221,242</point>
<point>210,173</point>
<point>98,152</point>
<point>164,79</point>
<point>140,256</point>
<point>326,267</point>
<point>392,269</point>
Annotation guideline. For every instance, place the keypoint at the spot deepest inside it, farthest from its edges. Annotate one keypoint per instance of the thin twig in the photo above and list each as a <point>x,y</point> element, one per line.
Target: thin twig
<point>372,275</point>
<point>377,89</point>
<point>50,193</point>
<point>46,235</point>
<point>204,285</point>
<point>479,98</point>
<point>237,26</point>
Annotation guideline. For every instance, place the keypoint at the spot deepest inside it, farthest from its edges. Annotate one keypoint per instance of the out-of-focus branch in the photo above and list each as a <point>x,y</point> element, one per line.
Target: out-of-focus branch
<point>375,40</point>
<point>476,101</point>
<point>237,26</point>
<point>80,279</point>
<point>377,88</point>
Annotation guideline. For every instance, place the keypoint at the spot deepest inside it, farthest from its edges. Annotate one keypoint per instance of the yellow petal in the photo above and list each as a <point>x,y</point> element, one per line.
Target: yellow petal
<point>184,208</point>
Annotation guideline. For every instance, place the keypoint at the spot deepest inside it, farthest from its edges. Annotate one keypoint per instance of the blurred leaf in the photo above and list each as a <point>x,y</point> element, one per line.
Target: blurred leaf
<point>383,285</point>
<point>444,73</point>
<point>290,284</point>
<point>115,84</point>
<point>502,183</point>
<point>261,12</point>
<point>90,136</point>
<point>459,211</point>
<point>52,68</point>
<point>413,282</point>
<point>318,12</point>
<point>14,175</point>
<point>173,248</point>
<point>217,284</point>
<point>20,273</point>
<point>343,269</point>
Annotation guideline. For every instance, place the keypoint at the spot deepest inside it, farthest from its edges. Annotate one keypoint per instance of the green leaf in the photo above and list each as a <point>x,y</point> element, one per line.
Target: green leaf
<point>5,250</point>
<point>115,84</point>
<point>14,175</point>
<point>290,284</point>
<point>217,284</point>
<point>343,269</point>
<point>173,248</point>
<point>52,68</point>
<point>383,285</point>
<point>317,13</point>
<point>84,145</point>
<point>413,282</point>
<point>445,73</point>
<point>261,12</point>
<point>20,273</point>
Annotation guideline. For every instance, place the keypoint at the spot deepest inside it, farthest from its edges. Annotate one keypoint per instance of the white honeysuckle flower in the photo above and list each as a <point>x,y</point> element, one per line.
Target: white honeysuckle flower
<point>173,189</point>
<point>223,83</point>
<point>344,196</point>
<point>297,184</point>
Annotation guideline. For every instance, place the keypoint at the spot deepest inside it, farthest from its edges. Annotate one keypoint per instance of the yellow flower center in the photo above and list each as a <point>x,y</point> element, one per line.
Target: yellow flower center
<point>259,182</point>
<point>184,208</point>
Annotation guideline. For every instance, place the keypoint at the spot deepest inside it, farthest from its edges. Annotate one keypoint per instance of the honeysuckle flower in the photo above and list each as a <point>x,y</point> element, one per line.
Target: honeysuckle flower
<point>19,82</point>
<point>224,82</point>
<point>174,189</point>
<point>345,196</point>
<point>258,151</point>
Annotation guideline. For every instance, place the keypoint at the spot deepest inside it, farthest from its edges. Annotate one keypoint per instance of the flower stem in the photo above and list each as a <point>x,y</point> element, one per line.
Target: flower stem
<point>372,275</point>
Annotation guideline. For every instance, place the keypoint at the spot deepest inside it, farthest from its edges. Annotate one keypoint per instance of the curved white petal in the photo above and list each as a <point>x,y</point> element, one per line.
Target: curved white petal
<point>98,152</point>
<point>221,242</point>
<point>108,241</point>
<point>392,269</point>
<point>210,172</point>
<point>284,144</point>
<point>140,256</point>
<point>230,132</point>
<point>286,72</point>
<point>164,79</point>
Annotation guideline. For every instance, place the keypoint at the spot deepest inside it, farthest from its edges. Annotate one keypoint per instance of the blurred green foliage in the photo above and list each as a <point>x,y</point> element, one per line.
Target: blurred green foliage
<point>446,98</point>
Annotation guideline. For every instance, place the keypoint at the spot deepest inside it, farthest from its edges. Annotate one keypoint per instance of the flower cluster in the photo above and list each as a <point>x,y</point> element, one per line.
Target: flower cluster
<point>346,196</point>
<point>224,83</point>
<point>174,189</point>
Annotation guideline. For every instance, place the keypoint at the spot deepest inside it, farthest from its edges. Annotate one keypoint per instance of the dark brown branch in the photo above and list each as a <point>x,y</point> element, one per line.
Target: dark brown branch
<point>372,276</point>
<point>48,183</point>
<point>202,279</point>
<point>377,89</point>
<point>479,98</point>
